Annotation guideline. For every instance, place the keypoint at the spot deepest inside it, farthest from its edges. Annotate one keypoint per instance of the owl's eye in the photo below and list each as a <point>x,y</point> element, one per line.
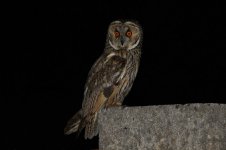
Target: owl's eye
<point>117,34</point>
<point>129,33</point>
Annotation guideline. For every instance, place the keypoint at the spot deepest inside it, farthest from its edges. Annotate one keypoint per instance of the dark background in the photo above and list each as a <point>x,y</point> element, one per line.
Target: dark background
<point>182,62</point>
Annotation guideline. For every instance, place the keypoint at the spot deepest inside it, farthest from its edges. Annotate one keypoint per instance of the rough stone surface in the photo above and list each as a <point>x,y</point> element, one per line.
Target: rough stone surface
<point>164,127</point>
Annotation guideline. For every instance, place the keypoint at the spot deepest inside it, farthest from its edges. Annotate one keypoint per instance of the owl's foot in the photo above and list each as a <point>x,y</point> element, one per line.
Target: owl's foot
<point>113,105</point>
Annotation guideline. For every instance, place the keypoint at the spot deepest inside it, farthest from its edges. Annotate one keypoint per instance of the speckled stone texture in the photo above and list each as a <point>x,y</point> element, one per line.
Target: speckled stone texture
<point>164,127</point>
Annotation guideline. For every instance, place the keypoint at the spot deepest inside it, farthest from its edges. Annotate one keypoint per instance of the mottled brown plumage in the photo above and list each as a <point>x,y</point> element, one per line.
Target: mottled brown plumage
<point>111,77</point>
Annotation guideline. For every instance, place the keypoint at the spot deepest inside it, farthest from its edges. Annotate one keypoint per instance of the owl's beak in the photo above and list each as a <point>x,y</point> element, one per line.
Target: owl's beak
<point>122,40</point>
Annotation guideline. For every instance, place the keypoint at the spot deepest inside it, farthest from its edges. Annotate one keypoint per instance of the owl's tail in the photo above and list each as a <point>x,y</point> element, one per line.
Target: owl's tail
<point>77,123</point>
<point>73,124</point>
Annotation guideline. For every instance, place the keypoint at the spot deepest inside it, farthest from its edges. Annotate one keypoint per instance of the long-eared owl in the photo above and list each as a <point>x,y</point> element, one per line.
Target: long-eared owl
<point>111,77</point>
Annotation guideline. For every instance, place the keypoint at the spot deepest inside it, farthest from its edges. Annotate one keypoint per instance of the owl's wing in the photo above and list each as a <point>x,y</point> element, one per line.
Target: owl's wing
<point>103,80</point>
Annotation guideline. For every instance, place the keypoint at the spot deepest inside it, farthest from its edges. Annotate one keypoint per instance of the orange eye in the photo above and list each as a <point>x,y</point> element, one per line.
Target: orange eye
<point>129,33</point>
<point>117,34</point>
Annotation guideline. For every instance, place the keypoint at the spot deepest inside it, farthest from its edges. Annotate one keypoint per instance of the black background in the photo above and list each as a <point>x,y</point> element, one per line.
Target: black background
<point>182,62</point>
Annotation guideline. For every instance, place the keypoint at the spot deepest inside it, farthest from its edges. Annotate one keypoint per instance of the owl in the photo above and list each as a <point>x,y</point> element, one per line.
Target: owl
<point>110,78</point>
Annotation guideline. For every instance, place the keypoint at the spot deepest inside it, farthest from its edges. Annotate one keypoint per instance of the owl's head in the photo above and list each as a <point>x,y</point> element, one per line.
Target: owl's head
<point>124,35</point>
